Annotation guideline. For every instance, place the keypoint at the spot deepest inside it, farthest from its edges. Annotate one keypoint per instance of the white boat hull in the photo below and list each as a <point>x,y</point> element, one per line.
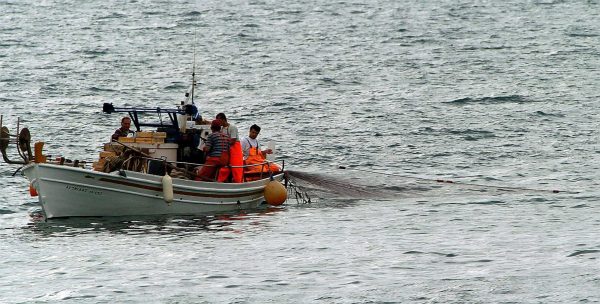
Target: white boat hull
<point>67,191</point>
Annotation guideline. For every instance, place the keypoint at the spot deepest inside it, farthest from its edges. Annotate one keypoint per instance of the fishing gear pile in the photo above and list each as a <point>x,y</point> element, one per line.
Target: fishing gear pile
<point>129,159</point>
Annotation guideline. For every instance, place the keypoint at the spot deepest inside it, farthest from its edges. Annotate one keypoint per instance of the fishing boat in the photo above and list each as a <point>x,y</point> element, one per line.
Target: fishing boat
<point>151,173</point>
<point>66,191</point>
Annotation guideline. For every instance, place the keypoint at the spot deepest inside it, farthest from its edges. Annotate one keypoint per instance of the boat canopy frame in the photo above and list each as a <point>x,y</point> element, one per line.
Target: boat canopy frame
<point>134,111</point>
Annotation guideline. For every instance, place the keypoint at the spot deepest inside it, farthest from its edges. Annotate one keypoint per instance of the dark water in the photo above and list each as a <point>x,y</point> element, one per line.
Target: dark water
<point>476,92</point>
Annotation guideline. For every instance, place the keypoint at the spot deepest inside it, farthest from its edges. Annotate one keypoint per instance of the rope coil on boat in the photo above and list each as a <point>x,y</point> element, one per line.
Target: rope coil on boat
<point>128,160</point>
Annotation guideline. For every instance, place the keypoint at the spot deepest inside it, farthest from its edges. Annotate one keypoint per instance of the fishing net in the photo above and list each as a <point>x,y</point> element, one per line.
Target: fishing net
<point>300,184</point>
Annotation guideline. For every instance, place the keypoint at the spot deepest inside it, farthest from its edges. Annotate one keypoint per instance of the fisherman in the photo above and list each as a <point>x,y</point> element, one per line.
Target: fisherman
<point>254,158</point>
<point>123,131</point>
<point>251,143</point>
<point>217,152</point>
<point>236,159</point>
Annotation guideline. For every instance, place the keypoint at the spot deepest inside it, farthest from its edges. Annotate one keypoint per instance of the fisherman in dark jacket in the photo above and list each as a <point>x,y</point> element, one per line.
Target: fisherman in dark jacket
<point>123,131</point>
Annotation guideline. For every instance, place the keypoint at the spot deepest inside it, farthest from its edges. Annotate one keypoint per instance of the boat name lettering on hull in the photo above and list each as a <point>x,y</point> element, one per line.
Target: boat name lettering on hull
<point>82,189</point>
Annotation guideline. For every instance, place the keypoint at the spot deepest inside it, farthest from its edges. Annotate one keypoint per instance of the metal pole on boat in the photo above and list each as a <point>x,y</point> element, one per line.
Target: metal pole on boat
<point>194,69</point>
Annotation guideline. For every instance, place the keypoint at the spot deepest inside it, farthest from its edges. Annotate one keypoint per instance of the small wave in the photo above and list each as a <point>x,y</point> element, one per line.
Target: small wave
<point>251,38</point>
<point>151,13</point>
<point>155,27</point>
<point>498,47</point>
<point>290,12</point>
<point>491,202</point>
<point>552,2</point>
<point>31,203</point>
<point>448,255</point>
<point>583,35</point>
<point>497,99</point>
<point>217,277</point>
<point>193,13</point>
<point>400,188</point>
<point>537,200</point>
<point>329,80</point>
<point>113,16</point>
<point>576,31</point>
<point>470,262</point>
<point>542,113</point>
<point>471,138</point>
<point>291,98</point>
<point>582,252</point>
<point>94,53</point>
<point>580,206</point>
<point>96,89</point>
<point>470,134</point>
<point>175,86</point>
<point>6,211</point>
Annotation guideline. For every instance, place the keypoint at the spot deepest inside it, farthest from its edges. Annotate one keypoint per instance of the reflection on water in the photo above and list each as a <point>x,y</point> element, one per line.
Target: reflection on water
<point>160,225</point>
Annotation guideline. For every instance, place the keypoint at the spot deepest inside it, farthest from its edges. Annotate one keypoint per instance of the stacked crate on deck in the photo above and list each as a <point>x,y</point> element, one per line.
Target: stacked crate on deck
<point>143,137</point>
<point>114,150</point>
<point>126,140</point>
<point>111,150</point>
<point>99,165</point>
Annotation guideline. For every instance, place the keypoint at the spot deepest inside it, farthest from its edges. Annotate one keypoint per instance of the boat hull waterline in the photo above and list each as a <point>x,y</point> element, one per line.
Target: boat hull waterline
<point>69,191</point>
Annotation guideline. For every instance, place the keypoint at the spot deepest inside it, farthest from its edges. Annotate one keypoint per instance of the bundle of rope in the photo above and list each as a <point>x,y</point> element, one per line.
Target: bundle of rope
<point>129,159</point>
<point>133,159</point>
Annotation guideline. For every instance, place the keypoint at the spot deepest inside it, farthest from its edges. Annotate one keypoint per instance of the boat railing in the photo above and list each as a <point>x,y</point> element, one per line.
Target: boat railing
<point>265,163</point>
<point>162,159</point>
<point>265,170</point>
<point>143,162</point>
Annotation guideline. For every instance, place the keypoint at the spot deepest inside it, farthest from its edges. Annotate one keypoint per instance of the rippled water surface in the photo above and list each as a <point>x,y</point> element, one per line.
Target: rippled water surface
<point>497,100</point>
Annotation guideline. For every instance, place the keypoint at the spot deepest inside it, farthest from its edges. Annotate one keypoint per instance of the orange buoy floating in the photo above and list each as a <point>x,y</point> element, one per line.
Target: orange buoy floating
<point>32,190</point>
<point>275,193</point>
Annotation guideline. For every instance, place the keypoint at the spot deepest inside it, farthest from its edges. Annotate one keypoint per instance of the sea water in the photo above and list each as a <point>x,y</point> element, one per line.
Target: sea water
<point>477,94</point>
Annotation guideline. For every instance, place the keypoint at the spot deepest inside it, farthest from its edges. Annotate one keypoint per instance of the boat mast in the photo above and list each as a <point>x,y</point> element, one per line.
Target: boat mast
<point>194,69</point>
<point>194,73</point>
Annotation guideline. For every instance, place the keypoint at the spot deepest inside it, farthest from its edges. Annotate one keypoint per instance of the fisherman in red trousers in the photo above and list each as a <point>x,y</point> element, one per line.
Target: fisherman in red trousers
<point>217,153</point>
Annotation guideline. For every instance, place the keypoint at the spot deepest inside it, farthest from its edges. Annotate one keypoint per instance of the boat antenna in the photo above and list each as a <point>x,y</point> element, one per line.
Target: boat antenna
<point>194,68</point>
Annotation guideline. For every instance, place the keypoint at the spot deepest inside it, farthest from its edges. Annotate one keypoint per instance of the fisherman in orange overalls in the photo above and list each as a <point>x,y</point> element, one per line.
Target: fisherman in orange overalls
<point>255,159</point>
<point>236,160</point>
